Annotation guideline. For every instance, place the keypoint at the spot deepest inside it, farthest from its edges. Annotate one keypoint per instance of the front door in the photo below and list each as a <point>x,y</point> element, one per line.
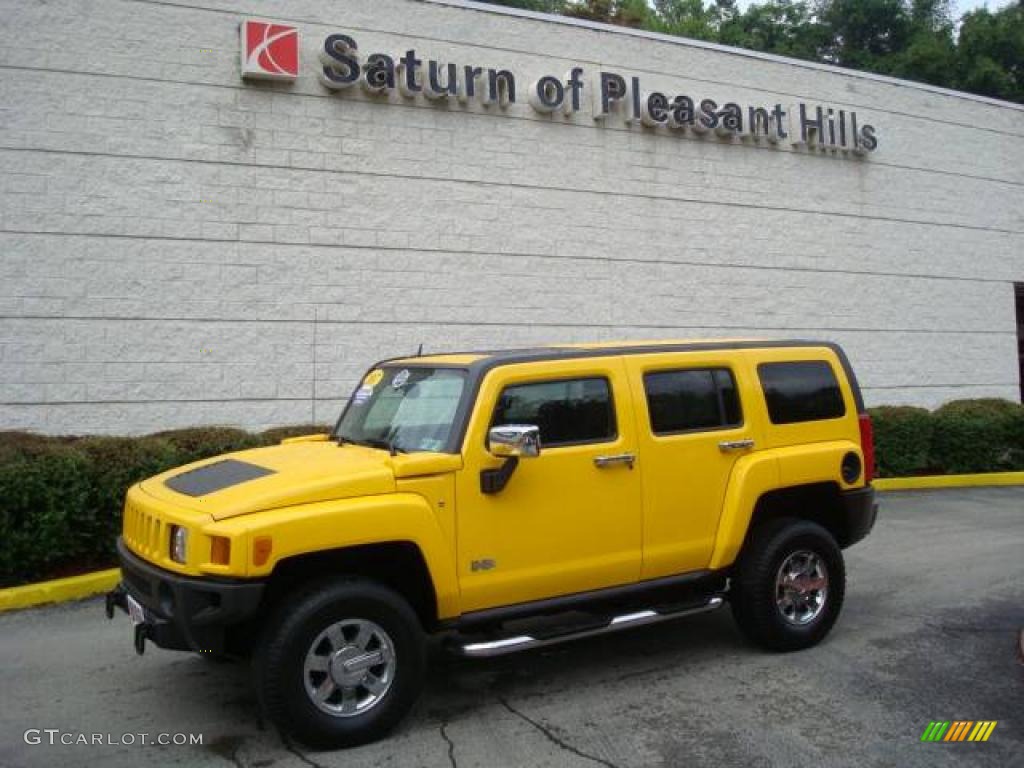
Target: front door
<point>568,520</point>
<point>691,431</point>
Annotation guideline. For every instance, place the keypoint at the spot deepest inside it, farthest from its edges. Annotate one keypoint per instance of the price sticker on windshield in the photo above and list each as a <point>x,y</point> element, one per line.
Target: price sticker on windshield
<point>365,391</point>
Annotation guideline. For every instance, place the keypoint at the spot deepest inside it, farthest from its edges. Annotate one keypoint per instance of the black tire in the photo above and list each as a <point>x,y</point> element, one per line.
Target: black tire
<point>753,590</point>
<point>279,663</point>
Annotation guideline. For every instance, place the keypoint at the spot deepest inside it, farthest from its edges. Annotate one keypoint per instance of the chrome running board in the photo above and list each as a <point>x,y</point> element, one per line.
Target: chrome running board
<point>615,624</point>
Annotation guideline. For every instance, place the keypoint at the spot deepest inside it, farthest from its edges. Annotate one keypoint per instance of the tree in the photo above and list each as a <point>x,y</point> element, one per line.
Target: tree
<point>781,26</point>
<point>912,39</point>
<point>930,53</point>
<point>991,53</point>
<point>626,13</point>
<point>862,34</point>
<point>685,18</point>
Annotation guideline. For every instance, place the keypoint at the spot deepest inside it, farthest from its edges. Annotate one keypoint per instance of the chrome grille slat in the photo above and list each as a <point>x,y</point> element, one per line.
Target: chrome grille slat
<point>131,526</point>
<point>145,531</point>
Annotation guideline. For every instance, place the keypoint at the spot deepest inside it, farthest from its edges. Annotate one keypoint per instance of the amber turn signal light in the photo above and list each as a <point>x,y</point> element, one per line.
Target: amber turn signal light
<point>220,550</point>
<point>261,547</point>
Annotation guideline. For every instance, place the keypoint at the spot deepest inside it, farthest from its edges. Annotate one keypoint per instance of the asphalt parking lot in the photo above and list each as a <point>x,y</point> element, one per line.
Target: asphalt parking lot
<point>929,632</point>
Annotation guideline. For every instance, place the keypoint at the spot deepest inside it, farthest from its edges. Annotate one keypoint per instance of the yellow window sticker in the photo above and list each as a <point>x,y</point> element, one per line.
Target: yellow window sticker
<point>373,378</point>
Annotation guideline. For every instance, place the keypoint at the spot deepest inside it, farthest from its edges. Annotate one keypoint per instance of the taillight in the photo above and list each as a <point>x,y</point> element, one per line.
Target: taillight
<point>867,446</point>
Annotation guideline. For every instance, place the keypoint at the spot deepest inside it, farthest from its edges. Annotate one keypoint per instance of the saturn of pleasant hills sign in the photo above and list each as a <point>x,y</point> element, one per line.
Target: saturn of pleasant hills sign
<point>810,126</point>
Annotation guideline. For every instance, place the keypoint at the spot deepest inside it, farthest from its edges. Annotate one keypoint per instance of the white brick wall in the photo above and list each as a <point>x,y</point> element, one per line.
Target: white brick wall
<point>168,234</point>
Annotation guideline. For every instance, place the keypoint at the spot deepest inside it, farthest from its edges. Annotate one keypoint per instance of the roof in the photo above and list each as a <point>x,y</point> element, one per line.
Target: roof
<point>446,358</point>
<point>654,343</point>
<point>478,364</point>
<point>490,358</point>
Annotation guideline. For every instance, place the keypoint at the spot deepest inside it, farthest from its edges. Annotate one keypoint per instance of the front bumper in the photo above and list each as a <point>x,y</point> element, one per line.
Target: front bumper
<point>182,613</point>
<point>859,513</point>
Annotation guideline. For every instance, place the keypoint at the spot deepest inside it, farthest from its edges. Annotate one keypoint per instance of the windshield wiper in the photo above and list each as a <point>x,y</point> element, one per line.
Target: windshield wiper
<point>378,442</point>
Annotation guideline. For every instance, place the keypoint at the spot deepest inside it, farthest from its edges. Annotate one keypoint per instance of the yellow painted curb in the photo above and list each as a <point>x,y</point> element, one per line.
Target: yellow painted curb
<point>948,481</point>
<point>59,590</point>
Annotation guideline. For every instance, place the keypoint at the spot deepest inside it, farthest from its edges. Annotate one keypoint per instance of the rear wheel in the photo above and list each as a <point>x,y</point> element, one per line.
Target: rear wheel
<point>789,585</point>
<point>341,663</point>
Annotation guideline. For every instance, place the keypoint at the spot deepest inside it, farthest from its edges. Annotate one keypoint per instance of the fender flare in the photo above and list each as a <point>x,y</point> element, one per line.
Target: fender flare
<point>773,470</point>
<point>332,525</point>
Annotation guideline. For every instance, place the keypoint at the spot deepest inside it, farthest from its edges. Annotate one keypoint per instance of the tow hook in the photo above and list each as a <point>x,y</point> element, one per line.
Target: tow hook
<point>115,599</point>
<point>141,633</point>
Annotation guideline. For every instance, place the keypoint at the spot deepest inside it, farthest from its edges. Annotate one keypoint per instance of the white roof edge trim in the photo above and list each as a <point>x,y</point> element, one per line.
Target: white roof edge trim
<point>685,41</point>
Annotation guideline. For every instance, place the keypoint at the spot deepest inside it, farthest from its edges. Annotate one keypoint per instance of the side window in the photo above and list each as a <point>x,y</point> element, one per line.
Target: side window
<point>801,391</point>
<point>567,411</point>
<point>682,401</point>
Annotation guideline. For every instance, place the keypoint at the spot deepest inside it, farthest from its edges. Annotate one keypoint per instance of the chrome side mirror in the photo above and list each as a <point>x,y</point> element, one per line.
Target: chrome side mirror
<point>514,440</point>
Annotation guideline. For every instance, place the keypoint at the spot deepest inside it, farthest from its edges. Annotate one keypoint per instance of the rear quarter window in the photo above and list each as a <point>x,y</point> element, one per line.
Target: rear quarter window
<point>801,391</point>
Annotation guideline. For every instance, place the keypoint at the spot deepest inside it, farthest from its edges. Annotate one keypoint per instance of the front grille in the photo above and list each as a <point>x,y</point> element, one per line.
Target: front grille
<point>144,532</point>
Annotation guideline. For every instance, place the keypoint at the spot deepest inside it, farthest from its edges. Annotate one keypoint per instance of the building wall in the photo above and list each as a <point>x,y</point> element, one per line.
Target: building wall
<point>180,247</point>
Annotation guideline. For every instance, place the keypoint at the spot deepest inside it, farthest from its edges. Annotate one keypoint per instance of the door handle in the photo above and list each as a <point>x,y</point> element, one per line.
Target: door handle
<point>735,445</point>
<point>619,458</point>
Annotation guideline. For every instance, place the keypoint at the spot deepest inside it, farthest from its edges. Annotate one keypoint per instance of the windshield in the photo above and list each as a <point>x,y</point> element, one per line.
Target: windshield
<point>403,409</point>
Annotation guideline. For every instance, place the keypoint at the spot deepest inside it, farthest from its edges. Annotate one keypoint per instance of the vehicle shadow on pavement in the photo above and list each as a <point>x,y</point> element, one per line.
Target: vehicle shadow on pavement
<point>597,661</point>
<point>459,688</point>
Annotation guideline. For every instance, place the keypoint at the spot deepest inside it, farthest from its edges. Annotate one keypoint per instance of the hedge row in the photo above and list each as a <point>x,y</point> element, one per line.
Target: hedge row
<point>963,436</point>
<point>61,497</point>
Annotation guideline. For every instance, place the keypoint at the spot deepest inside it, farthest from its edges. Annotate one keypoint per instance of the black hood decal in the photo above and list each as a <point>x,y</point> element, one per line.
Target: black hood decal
<point>215,477</point>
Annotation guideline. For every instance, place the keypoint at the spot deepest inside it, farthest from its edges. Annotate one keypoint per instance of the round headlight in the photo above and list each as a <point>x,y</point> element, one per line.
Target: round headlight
<point>179,543</point>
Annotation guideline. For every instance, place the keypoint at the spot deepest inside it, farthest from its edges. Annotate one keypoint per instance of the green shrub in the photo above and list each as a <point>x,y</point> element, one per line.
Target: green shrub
<point>984,435</point>
<point>44,491</point>
<point>902,440</point>
<point>197,443</point>
<point>61,497</point>
<point>117,463</point>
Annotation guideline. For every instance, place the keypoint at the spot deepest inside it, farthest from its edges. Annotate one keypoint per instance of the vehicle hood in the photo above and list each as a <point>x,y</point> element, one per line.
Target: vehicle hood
<point>289,474</point>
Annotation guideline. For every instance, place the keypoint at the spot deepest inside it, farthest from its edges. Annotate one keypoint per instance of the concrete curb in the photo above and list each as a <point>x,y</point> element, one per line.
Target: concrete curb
<point>948,481</point>
<point>59,590</point>
<point>86,585</point>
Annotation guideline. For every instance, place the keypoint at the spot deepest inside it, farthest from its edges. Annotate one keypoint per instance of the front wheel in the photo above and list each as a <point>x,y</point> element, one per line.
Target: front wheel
<point>789,585</point>
<point>341,663</point>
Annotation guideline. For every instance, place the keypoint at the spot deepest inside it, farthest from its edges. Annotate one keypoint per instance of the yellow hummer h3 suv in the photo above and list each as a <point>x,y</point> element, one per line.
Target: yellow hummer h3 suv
<point>625,483</point>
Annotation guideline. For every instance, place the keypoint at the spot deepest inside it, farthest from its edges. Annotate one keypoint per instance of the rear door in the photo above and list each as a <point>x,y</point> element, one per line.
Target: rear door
<point>691,429</point>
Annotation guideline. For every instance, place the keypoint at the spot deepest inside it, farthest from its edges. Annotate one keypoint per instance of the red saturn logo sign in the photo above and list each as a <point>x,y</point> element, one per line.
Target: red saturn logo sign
<point>270,51</point>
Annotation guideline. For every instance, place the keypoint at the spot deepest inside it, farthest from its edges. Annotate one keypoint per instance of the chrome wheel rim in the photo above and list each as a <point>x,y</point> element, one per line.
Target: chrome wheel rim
<point>801,587</point>
<point>349,667</point>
